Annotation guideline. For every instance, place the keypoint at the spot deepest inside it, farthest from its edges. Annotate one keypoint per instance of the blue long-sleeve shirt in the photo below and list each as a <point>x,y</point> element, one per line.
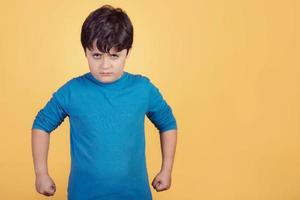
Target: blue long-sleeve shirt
<point>107,133</point>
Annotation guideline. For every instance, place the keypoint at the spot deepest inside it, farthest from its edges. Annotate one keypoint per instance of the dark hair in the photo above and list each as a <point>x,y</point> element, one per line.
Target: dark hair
<point>110,27</point>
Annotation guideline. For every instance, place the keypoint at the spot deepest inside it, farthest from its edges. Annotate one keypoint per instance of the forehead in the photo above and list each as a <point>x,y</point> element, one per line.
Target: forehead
<point>94,49</point>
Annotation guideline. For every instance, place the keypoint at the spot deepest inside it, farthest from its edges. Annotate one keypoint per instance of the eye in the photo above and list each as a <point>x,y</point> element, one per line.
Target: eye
<point>114,56</point>
<point>97,55</point>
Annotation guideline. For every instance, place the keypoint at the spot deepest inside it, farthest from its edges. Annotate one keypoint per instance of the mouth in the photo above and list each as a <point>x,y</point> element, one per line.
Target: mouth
<point>106,74</point>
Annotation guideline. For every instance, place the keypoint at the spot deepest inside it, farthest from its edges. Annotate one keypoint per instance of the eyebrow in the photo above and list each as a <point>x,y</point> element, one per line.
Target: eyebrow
<point>99,52</point>
<point>96,50</point>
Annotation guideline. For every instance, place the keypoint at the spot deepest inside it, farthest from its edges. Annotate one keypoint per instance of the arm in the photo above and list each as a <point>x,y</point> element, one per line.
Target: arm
<point>40,146</point>
<point>168,140</point>
<point>161,115</point>
<point>46,120</point>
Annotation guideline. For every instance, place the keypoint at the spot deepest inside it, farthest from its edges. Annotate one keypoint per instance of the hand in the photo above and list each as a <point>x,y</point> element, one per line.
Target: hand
<point>45,185</point>
<point>162,181</point>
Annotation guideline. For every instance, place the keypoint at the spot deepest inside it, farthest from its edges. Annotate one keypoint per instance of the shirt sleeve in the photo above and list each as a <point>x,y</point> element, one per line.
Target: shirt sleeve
<point>159,112</point>
<point>54,112</point>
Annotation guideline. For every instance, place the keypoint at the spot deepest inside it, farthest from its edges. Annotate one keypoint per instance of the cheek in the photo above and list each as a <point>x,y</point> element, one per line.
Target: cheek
<point>93,64</point>
<point>119,63</point>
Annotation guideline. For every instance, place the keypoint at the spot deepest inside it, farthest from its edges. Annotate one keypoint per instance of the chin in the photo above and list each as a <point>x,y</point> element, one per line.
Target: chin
<point>106,79</point>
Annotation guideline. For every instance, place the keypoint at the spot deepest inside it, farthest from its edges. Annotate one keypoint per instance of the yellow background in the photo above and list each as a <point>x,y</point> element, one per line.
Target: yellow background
<point>230,70</point>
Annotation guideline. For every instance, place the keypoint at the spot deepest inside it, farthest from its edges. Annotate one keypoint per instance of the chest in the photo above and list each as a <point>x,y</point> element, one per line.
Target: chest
<point>102,109</point>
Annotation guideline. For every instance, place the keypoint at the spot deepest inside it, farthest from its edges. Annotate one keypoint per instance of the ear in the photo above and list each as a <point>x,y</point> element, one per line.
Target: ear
<point>128,53</point>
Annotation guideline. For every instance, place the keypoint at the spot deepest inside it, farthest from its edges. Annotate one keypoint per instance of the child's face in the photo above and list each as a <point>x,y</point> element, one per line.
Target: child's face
<point>100,63</point>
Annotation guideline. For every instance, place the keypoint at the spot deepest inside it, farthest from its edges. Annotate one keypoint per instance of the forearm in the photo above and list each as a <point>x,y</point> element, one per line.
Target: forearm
<point>168,142</point>
<point>40,146</point>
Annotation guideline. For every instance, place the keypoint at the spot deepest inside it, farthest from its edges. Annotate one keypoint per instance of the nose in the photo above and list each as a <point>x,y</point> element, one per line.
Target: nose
<point>106,63</point>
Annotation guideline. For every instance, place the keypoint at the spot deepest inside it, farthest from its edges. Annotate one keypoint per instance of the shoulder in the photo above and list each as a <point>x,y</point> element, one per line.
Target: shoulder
<point>68,85</point>
<point>140,79</point>
<point>76,81</point>
<point>62,91</point>
<point>148,86</point>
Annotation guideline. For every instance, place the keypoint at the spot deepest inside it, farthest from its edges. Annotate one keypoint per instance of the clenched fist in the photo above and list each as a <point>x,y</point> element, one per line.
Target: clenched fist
<point>162,181</point>
<point>45,185</point>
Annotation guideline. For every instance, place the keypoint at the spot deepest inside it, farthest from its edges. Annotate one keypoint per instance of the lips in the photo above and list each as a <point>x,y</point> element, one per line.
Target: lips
<point>105,73</point>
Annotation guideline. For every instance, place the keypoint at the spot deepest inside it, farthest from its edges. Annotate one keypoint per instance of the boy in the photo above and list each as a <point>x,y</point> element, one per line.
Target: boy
<point>106,109</point>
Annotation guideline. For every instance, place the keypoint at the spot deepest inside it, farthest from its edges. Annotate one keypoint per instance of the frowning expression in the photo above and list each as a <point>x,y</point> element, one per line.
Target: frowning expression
<point>106,67</point>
